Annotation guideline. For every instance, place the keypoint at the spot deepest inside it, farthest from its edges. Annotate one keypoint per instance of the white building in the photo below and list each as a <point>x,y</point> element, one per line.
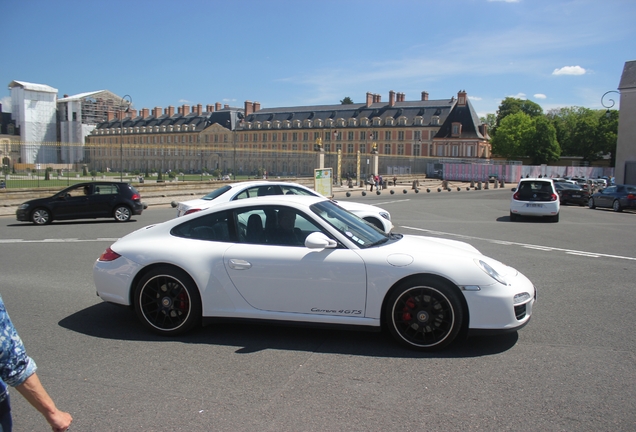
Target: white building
<point>34,110</point>
<point>78,115</point>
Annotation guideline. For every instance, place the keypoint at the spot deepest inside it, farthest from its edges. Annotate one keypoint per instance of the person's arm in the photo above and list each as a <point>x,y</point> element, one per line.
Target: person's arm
<point>34,392</point>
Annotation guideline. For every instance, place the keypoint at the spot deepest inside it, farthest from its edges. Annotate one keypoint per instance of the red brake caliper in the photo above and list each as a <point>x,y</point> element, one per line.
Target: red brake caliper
<point>406,311</point>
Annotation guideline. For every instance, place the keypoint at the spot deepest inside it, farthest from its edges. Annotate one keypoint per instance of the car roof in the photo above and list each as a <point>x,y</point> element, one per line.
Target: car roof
<point>262,182</point>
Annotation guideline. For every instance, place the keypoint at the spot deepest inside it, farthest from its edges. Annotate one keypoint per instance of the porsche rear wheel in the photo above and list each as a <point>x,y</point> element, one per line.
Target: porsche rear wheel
<point>424,314</point>
<point>167,301</point>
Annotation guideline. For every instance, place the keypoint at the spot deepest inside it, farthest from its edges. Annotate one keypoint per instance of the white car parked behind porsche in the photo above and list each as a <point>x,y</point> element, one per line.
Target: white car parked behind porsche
<point>377,216</point>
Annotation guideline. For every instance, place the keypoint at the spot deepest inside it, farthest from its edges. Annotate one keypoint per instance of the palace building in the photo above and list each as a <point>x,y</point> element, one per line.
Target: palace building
<point>284,140</point>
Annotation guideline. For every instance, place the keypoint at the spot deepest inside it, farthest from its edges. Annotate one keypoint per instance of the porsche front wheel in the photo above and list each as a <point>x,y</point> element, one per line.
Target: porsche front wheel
<point>167,301</point>
<point>425,314</point>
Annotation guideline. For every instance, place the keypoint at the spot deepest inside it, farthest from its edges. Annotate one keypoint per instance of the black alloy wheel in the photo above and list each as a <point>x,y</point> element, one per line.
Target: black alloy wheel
<point>167,301</point>
<point>616,206</point>
<point>41,216</point>
<point>425,314</point>
<point>122,213</point>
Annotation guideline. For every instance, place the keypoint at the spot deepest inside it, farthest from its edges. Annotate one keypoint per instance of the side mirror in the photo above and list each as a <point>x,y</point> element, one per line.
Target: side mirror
<point>514,189</point>
<point>318,240</point>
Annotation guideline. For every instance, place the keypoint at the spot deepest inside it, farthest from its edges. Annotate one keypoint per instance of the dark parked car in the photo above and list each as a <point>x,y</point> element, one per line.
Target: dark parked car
<point>571,193</point>
<point>84,201</point>
<point>616,197</point>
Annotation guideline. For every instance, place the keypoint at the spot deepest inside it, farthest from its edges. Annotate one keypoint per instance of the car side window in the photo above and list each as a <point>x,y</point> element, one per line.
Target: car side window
<point>609,190</point>
<point>105,189</point>
<point>274,225</point>
<point>216,227</point>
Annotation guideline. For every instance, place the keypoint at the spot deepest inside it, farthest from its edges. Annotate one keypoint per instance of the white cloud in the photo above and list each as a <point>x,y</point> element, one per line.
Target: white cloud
<point>475,98</point>
<point>519,96</point>
<point>540,96</point>
<point>6,104</point>
<point>569,70</point>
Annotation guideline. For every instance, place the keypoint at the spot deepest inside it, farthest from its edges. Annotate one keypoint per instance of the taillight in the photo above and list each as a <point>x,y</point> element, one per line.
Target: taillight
<point>554,197</point>
<point>136,197</point>
<point>193,210</point>
<point>516,196</point>
<point>631,196</point>
<point>109,255</point>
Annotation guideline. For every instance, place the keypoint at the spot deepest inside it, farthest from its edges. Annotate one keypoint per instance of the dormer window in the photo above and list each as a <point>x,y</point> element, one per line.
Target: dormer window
<point>456,129</point>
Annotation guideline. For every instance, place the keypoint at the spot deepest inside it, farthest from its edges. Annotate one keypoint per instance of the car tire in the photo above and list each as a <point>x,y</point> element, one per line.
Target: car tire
<point>555,218</point>
<point>425,314</point>
<point>41,216</point>
<point>590,203</point>
<point>513,217</point>
<point>616,206</point>
<point>376,223</point>
<point>122,213</point>
<point>167,301</point>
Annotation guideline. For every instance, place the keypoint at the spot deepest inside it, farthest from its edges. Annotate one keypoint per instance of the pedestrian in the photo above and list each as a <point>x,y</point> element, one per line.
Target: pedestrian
<point>380,182</point>
<point>18,370</point>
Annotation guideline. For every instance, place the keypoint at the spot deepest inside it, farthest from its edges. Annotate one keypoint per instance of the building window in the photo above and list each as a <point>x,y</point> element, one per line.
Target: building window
<point>363,135</point>
<point>400,149</point>
<point>387,149</point>
<point>455,151</point>
<point>400,135</point>
<point>440,150</point>
<point>305,136</point>
<point>255,137</point>
<point>417,150</point>
<point>469,151</point>
<point>387,135</point>
<point>350,135</point>
<point>349,148</point>
<point>284,136</point>
<point>417,135</point>
<point>275,137</point>
<point>456,129</point>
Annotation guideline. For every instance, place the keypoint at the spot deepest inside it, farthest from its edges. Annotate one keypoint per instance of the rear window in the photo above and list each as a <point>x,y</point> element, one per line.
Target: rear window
<point>534,190</point>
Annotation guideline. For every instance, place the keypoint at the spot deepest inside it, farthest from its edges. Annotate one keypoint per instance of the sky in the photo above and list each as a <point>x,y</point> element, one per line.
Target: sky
<point>288,53</point>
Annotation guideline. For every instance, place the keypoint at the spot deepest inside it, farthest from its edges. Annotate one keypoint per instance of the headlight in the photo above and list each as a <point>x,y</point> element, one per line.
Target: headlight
<point>491,272</point>
<point>385,215</point>
<point>520,298</point>
<point>23,206</point>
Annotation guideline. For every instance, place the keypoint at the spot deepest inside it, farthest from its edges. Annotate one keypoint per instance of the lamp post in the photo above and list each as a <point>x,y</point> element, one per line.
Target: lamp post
<point>607,113</point>
<point>121,133</point>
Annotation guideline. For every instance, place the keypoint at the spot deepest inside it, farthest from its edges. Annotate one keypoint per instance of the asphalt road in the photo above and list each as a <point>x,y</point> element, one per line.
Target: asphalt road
<point>572,368</point>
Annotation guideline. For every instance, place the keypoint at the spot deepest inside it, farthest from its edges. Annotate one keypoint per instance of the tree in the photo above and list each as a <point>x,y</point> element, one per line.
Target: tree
<point>586,137</point>
<point>346,101</point>
<point>542,147</point>
<point>608,133</point>
<point>512,135</point>
<point>491,121</point>
<point>512,105</point>
<point>564,121</point>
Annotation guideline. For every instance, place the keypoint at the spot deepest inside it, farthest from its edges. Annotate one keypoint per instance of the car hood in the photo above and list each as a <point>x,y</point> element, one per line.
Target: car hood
<point>198,203</point>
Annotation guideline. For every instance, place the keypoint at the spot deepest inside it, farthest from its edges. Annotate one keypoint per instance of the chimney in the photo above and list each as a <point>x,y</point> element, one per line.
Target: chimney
<point>169,111</point>
<point>424,96</point>
<point>226,106</point>
<point>217,106</point>
<point>209,108</point>
<point>133,113</point>
<point>461,97</point>
<point>156,112</point>
<point>185,109</point>
<point>391,98</point>
<point>199,109</point>
<point>145,113</point>
<point>193,109</point>
<point>249,106</point>
<point>110,115</point>
<point>377,98</point>
<point>180,110</point>
<point>401,97</point>
<point>257,106</point>
<point>369,99</point>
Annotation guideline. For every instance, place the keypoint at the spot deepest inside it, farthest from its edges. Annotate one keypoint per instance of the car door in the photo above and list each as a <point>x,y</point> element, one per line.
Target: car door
<point>103,199</point>
<point>606,197</point>
<point>72,203</point>
<point>295,279</point>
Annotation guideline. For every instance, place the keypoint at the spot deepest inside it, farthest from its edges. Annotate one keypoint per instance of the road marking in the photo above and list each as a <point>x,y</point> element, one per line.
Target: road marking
<point>527,246</point>
<point>69,240</point>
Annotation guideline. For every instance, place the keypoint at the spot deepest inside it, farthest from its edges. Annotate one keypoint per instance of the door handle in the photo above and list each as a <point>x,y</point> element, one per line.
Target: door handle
<point>239,264</point>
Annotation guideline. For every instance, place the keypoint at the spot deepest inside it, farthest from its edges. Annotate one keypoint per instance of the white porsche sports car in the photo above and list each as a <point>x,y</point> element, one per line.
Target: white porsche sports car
<point>304,259</point>
<point>236,191</point>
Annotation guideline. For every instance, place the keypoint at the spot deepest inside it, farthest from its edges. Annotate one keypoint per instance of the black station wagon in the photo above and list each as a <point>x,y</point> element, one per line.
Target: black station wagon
<point>84,201</point>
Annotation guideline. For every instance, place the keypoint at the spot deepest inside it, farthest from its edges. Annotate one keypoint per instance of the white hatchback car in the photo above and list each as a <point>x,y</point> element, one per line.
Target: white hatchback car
<point>375,215</point>
<point>535,197</point>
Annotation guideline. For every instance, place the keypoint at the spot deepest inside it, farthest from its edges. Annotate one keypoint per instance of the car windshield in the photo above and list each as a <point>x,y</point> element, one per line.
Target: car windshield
<point>216,193</point>
<point>351,226</point>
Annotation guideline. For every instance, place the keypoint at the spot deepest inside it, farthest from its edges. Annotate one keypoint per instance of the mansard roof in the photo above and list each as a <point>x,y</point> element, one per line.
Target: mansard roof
<point>409,109</point>
<point>201,122</point>
<point>466,115</point>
